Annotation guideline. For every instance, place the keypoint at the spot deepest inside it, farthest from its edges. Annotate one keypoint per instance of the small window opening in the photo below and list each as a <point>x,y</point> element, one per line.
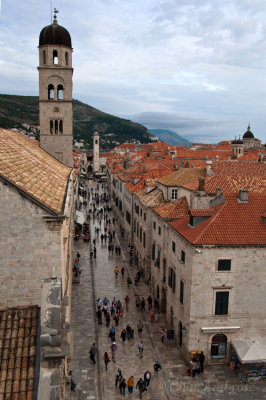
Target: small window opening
<point>66,57</point>
<point>51,92</point>
<point>44,57</point>
<point>60,92</point>
<point>56,127</point>
<point>51,126</point>
<point>55,57</point>
<point>61,127</point>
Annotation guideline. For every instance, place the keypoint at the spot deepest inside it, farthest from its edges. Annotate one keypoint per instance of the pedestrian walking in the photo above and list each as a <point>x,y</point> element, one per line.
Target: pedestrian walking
<point>147,378</point>
<point>94,252</point>
<point>112,333</point>
<point>118,375</point>
<point>123,335</point>
<point>106,360</point>
<point>150,302</point>
<point>128,330</point>
<point>142,304</point>
<point>122,271</point>
<point>116,319</point>
<point>201,360</point>
<point>107,318</point>
<point>130,384</point>
<point>113,350</point>
<point>140,328</point>
<point>141,348</point>
<point>152,315</point>
<point>121,312</point>
<point>163,335</point>
<point>78,256</point>
<point>122,385</point>
<point>138,303</point>
<point>157,367</point>
<point>156,314</point>
<point>140,385</point>
<point>127,302</point>
<point>92,352</point>
<point>72,382</point>
<point>116,270</point>
<point>99,316</point>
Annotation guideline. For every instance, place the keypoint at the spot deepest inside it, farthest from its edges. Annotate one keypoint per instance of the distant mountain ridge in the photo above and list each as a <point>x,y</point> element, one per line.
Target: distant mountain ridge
<point>16,111</point>
<point>170,137</point>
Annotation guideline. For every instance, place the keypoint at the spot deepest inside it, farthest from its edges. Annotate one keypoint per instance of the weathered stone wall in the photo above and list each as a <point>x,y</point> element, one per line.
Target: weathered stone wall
<point>30,249</point>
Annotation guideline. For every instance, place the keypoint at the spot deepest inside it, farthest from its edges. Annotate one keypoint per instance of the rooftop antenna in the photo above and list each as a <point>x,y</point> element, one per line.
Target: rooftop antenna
<point>55,12</point>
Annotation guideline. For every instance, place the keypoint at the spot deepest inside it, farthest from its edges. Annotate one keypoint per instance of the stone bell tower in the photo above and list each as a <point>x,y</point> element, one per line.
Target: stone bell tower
<point>96,155</point>
<point>55,92</point>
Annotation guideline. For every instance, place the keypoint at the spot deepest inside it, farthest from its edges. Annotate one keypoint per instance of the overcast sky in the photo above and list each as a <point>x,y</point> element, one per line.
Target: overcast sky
<point>194,66</point>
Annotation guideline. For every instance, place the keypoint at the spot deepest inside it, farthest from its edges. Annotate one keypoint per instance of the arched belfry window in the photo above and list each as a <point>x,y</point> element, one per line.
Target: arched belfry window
<point>44,57</point>
<point>60,92</point>
<point>56,127</point>
<point>66,57</point>
<point>60,126</point>
<point>96,141</point>
<point>50,92</point>
<point>51,126</point>
<point>55,57</point>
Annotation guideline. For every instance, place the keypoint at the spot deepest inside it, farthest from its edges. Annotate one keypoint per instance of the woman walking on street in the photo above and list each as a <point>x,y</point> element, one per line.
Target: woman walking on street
<point>122,386</point>
<point>141,348</point>
<point>130,384</point>
<point>106,360</point>
<point>113,350</point>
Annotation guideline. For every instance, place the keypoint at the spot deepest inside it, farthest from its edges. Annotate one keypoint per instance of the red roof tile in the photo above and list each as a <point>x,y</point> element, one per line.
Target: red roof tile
<point>233,223</point>
<point>173,210</point>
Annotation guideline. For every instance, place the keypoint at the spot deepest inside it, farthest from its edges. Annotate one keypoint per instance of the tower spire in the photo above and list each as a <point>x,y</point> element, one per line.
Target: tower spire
<point>55,17</point>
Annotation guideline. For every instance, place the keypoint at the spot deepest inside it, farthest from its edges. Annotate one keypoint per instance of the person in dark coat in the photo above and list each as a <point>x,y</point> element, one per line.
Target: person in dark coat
<point>201,360</point>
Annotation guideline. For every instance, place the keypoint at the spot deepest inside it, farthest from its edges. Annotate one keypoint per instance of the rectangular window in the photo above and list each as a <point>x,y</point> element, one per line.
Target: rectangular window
<point>141,212</point>
<point>224,265</point>
<point>144,239</point>
<point>171,278</point>
<point>159,230</point>
<point>135,224</point>
<point>174,194</point>
<point>154,225</point>
<point>140,233</point>
<point>116,201</point>
<point>120,205</point>
<point>183,256</point>
<point>137,229</point>
<point>221,303</point>
<point>181,294</point>
<point>173,246</point>
<point>153,251</point>
<point>136,209</point>
<point>128,217</point>
<point>144,216</point>
<point>158,259</point>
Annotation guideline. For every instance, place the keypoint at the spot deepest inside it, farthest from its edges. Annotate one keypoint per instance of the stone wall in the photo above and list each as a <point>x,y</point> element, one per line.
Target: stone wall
<point>30,249</point>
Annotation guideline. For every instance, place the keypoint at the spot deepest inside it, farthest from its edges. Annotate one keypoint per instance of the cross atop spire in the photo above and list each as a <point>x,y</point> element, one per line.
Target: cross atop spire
<point>55,12</point>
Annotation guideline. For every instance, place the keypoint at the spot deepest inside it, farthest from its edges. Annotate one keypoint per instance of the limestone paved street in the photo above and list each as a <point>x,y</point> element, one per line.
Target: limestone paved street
<point>93,382</point>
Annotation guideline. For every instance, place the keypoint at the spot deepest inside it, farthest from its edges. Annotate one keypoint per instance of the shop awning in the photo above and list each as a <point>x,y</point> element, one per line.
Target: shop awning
<point>79,217</point>
<point>250,351</point>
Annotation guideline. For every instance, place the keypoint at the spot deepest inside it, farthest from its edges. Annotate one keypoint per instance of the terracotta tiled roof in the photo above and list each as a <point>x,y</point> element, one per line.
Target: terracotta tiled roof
<point>232,223</point>
<point>197,212</point>
<point>231,176</point>
<point>18,333</point>
<point>150,175</point>
<point>151,199</point>
<point>201,154</point>
<point>183,175</point>
<point>33,170</point>
<point>173,210</point>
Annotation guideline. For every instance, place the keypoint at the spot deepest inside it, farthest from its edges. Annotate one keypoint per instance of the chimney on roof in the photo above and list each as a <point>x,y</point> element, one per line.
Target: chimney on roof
<point>201,184</point>
<point>208,166</point>
<point>243,196</point>
<point>218,192</point>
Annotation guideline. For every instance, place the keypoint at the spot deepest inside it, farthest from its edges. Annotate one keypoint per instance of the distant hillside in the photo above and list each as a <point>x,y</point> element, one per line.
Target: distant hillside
<point>170,137</point>
<point>18,110</point>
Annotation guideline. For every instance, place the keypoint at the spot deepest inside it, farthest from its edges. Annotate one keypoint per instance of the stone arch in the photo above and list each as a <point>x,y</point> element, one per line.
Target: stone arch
<point>51,126</point>
<point>60,92</point>
<point>50,92</point>
<point>56,127</point>
<point>61,126</point>
<point>218,346</point>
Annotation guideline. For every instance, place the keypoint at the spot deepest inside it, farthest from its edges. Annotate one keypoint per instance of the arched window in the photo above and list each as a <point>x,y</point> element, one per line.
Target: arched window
<point>66,57</point>
<point>50,92</point>
<point>51,126</point>
<point>60,92</point>
<point>56,127</point>
<point>55,57</point>
<point>96,141</point>
<point>60,126</point>
<point>218,346</point>
<point>44,57</point>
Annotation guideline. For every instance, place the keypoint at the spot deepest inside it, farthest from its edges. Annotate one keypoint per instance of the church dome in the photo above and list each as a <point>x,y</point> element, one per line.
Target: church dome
<point>55,34</point>
<point>248,134</point>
